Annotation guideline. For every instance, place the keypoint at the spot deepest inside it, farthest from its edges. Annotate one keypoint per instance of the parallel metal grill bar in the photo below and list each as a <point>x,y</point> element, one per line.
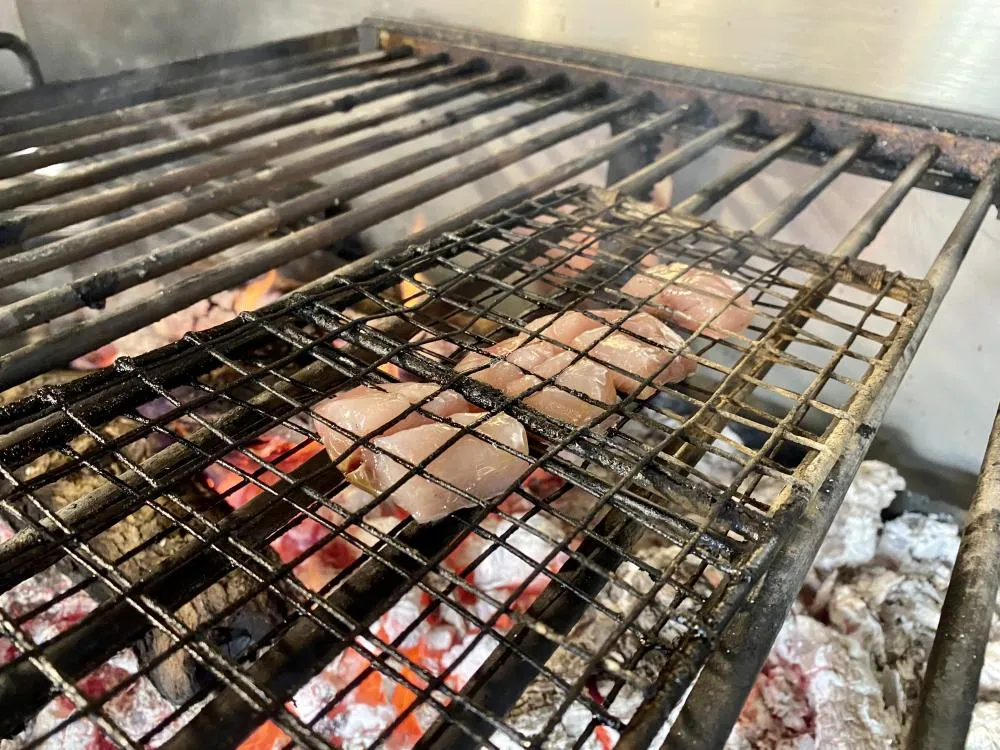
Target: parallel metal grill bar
<point>237,99</point>
<point>112,199</point>
<point>730,671</point>
<point>91,95</point>
<point>86,244</point>
<point>36,358</point>
<point>712,193</point>
<point>95,288</point>
<point>640,183</point>
<point>799,199</point>
<point>122,95</point>
<point>35,190</point>
<point>100,142</point>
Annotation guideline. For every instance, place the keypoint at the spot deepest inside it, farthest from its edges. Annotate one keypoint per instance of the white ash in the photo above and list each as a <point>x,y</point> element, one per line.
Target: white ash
<point>984,731</point>
<point>854,533</point>
<point>876,592</point>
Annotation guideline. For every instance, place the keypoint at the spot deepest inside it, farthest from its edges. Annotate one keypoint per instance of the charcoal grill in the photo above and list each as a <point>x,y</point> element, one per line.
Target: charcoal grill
<point>659,569</point>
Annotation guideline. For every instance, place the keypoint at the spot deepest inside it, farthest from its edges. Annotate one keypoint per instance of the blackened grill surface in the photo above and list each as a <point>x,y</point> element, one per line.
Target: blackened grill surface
<point>710,540</point>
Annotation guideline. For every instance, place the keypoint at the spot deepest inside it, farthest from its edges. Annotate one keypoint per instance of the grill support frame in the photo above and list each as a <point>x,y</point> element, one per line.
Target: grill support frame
<point>803,124</point>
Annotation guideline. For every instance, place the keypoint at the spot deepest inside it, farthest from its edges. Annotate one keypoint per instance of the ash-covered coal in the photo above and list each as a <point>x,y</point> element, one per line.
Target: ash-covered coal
<point>846,668</point>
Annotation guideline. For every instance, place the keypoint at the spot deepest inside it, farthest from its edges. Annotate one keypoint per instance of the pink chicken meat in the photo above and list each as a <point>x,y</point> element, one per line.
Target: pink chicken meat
<point>517,366</point>
<point>690,296</point>
<point>469,464</point>
<point>366,410</point>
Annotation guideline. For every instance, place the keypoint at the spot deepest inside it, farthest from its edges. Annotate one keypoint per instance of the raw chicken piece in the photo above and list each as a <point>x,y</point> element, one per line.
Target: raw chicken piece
<point>635,356</point>
<point>365,410</point>
<point>690,296</point>
<point>527,366</point>
<point>578,332</point>
<point>563,327</point>
<point>469,464</point>
<point>556,402</point>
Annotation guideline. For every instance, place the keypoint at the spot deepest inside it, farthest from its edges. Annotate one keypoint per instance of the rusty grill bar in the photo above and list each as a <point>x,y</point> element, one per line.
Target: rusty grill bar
<point>636,536</point>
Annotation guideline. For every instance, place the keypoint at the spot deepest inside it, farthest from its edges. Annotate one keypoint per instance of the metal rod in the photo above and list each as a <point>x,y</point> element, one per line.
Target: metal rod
<point>951,680</point>
<point>257,123</point>
<point>139,190</point>
<point>526,190</point>
<point>16,366</point>
<point>639,184</point>
<point>32,130</point>
<point>71,211</point>
<point>875,217</point>
<point>97,287</point>
<point>715,191</point>
<point>714,703</point>
<point>86,244</point>
<point>795,203</point>
<point>17,449</point>
<point>124,93</point>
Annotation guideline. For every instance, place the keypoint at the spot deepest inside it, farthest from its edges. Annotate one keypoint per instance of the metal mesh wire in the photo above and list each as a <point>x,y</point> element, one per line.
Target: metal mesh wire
<point>552,613</point>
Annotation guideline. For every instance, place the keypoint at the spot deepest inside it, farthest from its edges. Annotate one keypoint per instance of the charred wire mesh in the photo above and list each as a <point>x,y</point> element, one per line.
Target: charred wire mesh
<point>180,521</point>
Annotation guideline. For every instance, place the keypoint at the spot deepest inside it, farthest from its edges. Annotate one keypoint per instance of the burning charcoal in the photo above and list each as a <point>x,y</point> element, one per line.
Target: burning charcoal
<point>180,676</point>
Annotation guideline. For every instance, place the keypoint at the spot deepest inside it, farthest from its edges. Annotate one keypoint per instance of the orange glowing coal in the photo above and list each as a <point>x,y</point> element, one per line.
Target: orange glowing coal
<point>256,293</point>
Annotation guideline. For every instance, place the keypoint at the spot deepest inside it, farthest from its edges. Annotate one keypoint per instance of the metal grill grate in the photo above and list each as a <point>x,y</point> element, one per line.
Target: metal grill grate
<point>671,549</point>
<point>179,525</point>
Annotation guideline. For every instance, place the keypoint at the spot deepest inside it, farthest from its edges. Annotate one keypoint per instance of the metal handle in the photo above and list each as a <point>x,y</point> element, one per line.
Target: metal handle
<point>26,56</point>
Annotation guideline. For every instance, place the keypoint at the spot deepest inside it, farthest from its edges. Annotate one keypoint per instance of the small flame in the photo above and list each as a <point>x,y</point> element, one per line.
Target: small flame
<point>410,293</point>
<point>255,294</point>
<point>418,224</point>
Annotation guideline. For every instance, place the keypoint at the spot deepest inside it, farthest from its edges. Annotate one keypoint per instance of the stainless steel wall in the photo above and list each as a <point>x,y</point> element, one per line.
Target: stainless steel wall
<point>942,54</point>
<point>930,52</point>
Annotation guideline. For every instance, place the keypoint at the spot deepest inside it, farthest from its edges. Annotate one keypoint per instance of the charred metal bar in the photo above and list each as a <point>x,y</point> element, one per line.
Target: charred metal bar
<point>640,183</point>
<point>545,181</point>
<point>121,94</point>
<point>257,123</point>
<point>951,680</point>
<point>93,289</point>
<point>15,367</point>
<point>712,193</point>
<point>797,202</point>
<point>137,191</point>
<point>717,697</point>
<point>83,245</point>
<point>91,91</point>
<point>34,129</point>
<point>875,217</point>
<point>21,448</point>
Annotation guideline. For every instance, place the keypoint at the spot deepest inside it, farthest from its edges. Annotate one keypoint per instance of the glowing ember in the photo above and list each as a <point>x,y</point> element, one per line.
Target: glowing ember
<point>267,447</point>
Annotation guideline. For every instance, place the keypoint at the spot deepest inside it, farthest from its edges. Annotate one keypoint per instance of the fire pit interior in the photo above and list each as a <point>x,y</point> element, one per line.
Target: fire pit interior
<point>195,551</point>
